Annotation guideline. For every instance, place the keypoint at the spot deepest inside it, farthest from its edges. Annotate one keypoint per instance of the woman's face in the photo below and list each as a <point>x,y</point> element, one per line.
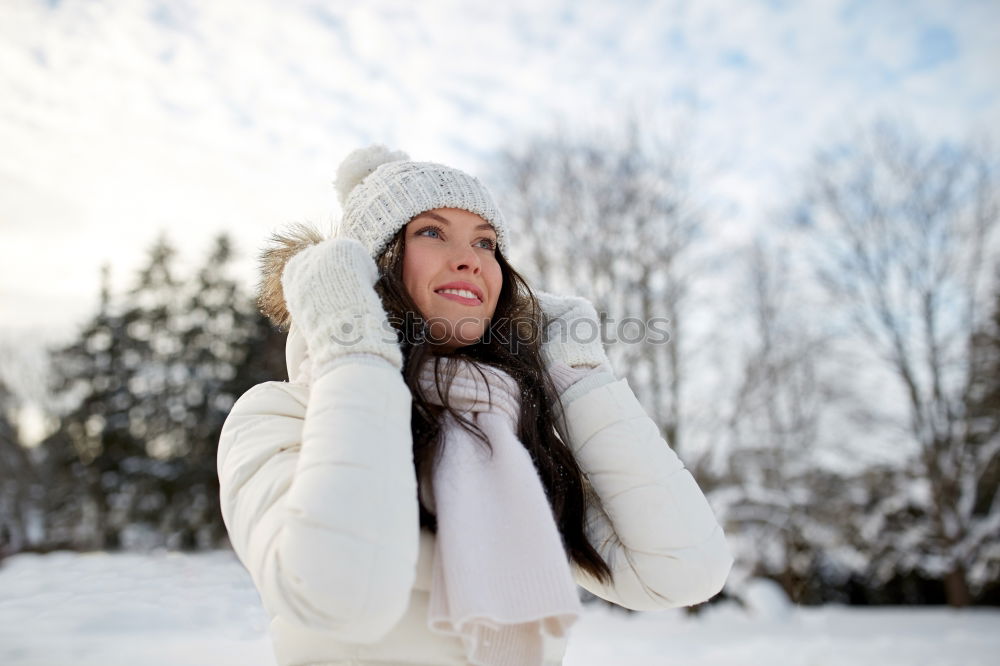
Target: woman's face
<point>450,253</point>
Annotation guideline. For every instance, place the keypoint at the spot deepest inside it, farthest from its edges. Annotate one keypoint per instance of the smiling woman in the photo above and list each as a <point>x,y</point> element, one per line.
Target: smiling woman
<point>442,469</point>
<point>451,272</point>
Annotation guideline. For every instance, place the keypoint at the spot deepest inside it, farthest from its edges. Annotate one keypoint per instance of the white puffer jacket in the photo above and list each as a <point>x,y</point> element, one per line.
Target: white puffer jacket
<point>319,497</point>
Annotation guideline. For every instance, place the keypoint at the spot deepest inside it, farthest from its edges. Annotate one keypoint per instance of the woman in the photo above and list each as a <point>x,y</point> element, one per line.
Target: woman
<point>451,454</point>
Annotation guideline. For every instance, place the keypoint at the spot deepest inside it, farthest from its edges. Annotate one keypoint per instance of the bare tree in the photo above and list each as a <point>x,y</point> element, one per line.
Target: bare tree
<point>774,489</point>
<point>611,218</point>
<point>903,233</point>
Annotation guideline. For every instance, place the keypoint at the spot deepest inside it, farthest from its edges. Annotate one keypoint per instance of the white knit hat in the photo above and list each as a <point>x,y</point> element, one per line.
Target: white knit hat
<point>382,190</point>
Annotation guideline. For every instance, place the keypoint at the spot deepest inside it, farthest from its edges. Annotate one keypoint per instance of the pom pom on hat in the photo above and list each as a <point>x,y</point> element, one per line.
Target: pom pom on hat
<point>359,164</point>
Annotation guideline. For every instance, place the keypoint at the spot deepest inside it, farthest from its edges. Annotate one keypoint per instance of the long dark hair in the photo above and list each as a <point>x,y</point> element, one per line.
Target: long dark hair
<point>512,344</point>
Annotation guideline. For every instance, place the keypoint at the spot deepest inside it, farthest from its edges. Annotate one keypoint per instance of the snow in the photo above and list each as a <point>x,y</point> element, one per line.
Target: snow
<point>201,609</point>
<point>764,599</point>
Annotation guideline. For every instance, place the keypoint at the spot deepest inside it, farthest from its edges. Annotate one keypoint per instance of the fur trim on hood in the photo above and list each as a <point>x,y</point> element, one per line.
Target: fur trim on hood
<point>282,246</point>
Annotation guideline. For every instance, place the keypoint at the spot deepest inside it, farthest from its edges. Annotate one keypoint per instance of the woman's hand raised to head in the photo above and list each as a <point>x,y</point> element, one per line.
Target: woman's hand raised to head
<point>330,294</point>
<point>572,349</point>
<point>572,331</point>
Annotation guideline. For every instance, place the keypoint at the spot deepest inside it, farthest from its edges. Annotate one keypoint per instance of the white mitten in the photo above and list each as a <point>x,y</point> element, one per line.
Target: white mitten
<point>572,350</point>
<point>329,291</point>
<point>572,331</point>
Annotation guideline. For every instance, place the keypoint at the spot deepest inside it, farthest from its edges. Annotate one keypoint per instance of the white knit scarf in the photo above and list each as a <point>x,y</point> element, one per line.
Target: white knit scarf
<point>501,580</point>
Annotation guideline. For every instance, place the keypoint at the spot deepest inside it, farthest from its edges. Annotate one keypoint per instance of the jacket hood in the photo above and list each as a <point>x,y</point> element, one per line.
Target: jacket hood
<point>281,247</point>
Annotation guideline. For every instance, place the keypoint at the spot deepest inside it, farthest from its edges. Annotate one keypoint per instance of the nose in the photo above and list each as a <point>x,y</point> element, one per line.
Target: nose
<point>466,259</point>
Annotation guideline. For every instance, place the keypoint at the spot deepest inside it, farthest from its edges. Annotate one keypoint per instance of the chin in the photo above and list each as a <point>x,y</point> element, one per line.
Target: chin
<point>454,344</point>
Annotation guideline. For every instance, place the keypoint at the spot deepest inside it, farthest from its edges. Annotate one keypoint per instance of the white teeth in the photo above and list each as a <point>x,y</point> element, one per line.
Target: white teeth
<point>464,293</point>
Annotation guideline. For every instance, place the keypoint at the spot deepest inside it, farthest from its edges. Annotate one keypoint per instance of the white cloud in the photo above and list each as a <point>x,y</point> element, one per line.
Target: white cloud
<point>122,119</point>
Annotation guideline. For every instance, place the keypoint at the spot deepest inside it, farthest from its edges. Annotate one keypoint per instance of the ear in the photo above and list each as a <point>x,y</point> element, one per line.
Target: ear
<point>281,247</point>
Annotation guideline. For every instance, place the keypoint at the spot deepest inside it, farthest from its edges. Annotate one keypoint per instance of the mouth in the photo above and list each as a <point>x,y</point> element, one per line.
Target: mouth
<point>465,294</point>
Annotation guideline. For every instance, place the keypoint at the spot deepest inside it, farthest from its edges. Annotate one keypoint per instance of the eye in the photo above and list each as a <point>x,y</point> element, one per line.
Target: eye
<point>436,230</point>
<point>488,244</point>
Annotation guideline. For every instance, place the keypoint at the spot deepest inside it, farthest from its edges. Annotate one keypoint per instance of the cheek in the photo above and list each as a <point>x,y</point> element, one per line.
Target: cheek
<point>412,272</point>
<point>495,282</point>
<point>407,274</point>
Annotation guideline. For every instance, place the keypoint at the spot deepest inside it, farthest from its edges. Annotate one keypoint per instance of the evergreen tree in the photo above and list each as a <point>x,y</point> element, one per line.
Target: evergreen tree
<point>149,384</point>
<point>145,390</point>
<point>216,325</point>
<point>15,481</point>
<point>157,384</point>
<point>94,441</point>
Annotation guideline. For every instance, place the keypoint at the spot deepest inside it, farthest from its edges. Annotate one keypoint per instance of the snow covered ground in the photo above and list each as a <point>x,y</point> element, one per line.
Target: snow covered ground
<point>173,609</point>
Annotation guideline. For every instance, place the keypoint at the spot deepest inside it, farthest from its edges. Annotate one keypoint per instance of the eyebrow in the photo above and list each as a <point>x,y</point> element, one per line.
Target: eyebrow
<point>437,217</point>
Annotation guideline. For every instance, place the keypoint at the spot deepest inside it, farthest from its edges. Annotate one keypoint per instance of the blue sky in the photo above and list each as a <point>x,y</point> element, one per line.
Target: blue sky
<point>119,120</point>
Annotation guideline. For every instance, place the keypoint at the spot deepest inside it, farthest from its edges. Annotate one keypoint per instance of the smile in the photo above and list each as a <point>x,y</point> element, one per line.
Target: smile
<point>463,296</point>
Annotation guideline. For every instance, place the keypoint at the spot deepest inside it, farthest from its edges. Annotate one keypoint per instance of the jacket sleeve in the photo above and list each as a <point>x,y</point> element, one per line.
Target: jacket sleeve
<point>320,499</point>
<point>652,524</point>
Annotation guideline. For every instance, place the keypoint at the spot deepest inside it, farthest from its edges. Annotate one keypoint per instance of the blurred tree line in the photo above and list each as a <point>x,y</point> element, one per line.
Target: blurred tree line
<point>141,396</point>
<point>833,382</point>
